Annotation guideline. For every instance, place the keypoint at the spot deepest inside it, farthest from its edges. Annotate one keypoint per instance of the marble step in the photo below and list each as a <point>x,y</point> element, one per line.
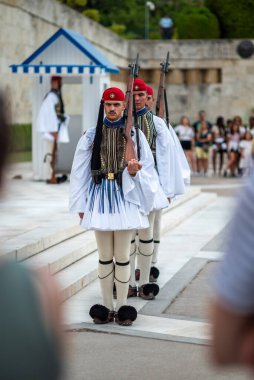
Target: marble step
<point>179,214</point>
<point>42,237</point>
<point>65,253</point>
<point>53,231</point>
<point>81,273</point>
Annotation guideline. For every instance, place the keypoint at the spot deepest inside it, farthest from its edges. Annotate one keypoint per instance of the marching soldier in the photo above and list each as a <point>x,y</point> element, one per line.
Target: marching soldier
<point>112,198</point>
<point>172,182</point>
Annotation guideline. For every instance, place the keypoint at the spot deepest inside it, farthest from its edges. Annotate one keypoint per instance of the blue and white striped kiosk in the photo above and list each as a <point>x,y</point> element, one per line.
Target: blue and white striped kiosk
<point>68,54</point>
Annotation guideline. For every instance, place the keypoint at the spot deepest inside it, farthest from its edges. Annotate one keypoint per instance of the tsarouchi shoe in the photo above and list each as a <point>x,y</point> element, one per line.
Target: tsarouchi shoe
<point>148,291</point>
<point>101,314</point>
<point>126,315</point>
<point>154,274</point>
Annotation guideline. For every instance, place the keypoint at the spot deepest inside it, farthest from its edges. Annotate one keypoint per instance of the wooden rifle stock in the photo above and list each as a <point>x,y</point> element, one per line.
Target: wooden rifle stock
<point>161,96</point>
<point>53,178</point>
<point>130,152</point>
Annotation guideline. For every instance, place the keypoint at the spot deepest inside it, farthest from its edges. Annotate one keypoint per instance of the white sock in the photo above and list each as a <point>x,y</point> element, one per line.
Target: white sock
<point>106,277</point>
<point>133,261</point>
<point>122,278</point>
<point>145,260</point>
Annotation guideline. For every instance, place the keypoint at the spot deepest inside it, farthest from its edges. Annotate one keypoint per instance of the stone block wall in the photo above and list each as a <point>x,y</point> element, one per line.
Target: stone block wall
<point>204,74</point>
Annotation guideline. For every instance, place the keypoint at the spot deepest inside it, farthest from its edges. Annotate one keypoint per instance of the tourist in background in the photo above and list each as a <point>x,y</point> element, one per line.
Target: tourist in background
<point>251,125</point>
<point>166,27</point>
<point>203,139</point>
<point>246,160</point>
<point>186,136</point>
<point>238,121</point>
<point>219,144</point>
<point>233,142</point>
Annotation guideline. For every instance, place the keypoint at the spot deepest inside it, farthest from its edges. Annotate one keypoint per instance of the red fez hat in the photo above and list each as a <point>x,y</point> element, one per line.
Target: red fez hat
<point>139,85</point>
<point>113,94</point>
<point>56,77</point>
<point>149,90</point>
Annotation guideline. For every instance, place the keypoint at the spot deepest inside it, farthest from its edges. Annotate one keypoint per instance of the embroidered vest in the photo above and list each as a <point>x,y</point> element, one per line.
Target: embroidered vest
<point>112,151</point>
<point>146,124</point>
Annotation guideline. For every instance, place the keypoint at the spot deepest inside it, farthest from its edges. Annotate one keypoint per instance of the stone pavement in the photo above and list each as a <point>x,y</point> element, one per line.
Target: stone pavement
<point>170,339</point>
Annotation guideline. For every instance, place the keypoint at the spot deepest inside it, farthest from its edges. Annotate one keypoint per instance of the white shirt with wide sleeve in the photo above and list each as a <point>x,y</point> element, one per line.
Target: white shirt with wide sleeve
<point>107,206</point>
<point>172,166</point>
<point>47,121</point>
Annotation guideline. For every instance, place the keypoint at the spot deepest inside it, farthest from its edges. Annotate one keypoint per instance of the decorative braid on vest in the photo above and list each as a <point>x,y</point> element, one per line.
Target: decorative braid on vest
<point>146,124</point>
<point>112,150</point>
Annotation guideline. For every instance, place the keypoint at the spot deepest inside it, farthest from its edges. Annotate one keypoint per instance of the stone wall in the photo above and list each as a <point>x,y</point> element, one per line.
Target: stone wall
<point>27,24</point>
<point>203,74</point>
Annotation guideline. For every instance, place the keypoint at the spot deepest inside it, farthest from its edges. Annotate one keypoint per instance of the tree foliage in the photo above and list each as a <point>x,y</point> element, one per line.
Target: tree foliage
<point>127,17</point>
<point>235,17</point>
<point>197,23</point>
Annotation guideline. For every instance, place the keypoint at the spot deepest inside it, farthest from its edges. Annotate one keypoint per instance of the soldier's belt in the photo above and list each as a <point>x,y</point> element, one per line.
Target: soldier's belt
<point>110,176</point>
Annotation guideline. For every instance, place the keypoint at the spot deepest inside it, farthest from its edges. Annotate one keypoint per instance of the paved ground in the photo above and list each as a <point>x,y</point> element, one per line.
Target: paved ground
<point>170,339</point>
<point>175,345</point>
<point>96,356</point>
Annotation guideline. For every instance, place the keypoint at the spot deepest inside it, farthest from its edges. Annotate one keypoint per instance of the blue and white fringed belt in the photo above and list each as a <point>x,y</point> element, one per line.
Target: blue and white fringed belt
<point>107,191</point>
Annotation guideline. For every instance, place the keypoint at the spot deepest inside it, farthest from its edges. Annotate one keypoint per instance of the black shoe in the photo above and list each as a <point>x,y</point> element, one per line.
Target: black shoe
<point>101,314</point>
<point>148,291</point>
<point>132,291</point>
<point>126,315</point>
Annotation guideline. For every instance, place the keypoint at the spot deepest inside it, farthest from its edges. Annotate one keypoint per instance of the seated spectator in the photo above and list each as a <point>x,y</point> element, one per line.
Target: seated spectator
<point>219,143</point>
<point>203,139</point>
<point>185,134</point>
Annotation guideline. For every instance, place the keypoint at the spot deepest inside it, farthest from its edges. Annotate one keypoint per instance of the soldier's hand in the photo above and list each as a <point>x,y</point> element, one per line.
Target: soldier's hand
<point>81,215</point>
<point>133,166</point>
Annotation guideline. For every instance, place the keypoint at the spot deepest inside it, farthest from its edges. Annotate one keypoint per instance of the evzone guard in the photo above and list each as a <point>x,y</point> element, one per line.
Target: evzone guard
<point>113,192</point>
<point>173,172</point>
<point>52,123</point>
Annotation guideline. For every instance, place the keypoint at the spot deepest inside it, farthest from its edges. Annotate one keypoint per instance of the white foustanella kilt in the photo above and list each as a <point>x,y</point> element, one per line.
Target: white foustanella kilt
<point>106,209</point>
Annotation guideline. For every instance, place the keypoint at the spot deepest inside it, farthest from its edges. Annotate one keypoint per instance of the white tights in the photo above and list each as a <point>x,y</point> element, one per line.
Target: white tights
<point>145,250</point>
<point>114,244</point>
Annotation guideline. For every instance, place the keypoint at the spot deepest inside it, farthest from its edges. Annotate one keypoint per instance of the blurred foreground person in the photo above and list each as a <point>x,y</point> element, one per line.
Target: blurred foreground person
<point>30,311</point>
<point>233,303</point>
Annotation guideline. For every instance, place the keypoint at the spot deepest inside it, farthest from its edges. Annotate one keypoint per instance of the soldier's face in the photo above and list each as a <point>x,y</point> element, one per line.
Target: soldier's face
<point>113,110</point>
<point>140,99</point>
<point>149,102</point>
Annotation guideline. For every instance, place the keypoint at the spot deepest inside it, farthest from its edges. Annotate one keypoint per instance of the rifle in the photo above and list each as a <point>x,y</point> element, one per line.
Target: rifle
<point>53,179</point>
<point>128,112</point>
<point>161,102</point>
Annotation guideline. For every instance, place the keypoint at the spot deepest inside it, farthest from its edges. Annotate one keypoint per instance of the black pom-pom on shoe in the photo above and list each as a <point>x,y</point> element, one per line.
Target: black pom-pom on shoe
<point>101,314</point>
<point>154,274</point>
<point>148,291</point>
<point>126,315</point>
